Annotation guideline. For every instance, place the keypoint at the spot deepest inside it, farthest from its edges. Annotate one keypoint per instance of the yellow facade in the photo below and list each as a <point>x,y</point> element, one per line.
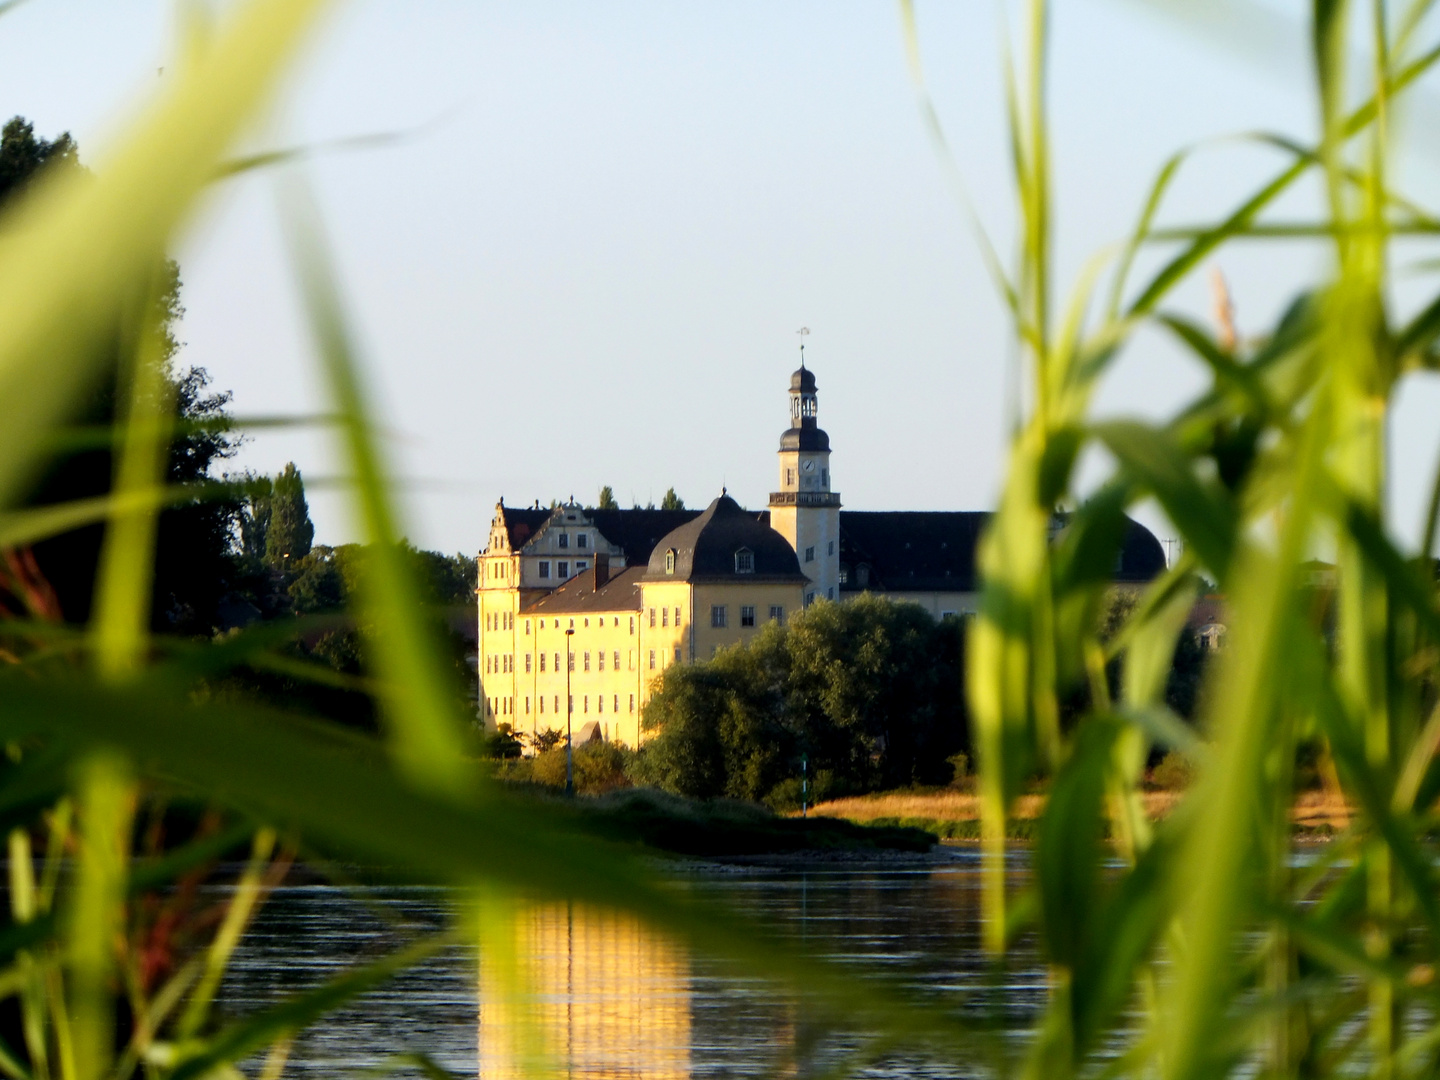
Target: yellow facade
<point>616,654</point>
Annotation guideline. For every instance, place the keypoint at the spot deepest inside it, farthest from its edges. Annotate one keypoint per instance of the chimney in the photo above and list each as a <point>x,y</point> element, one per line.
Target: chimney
<point>602,569</point>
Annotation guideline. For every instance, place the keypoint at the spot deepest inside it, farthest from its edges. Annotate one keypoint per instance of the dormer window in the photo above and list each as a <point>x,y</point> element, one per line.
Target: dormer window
<point>670,561</point>
<point>744,561</point>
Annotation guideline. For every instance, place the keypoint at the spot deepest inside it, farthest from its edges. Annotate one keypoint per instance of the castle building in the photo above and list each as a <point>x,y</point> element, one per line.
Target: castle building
<point>586,608</point>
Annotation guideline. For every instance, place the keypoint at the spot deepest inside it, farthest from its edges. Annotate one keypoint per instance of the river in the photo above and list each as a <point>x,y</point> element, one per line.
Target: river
<point>612,999</point>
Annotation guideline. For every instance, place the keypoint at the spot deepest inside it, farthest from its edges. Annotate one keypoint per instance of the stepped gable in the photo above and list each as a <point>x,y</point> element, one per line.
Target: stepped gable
<point>905,550</point>
<point>522,524</point>
<point>935,551</point>
<point>580,595</point>
<point>705,549</point>
<point>636,532</point>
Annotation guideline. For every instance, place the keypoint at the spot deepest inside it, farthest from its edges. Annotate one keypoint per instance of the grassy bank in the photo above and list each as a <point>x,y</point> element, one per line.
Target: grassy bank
<point>721,827</point>
<point>955,815</point>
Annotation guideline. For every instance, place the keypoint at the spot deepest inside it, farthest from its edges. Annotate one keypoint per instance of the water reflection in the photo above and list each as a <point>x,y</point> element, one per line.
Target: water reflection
<point>609,998</point>
<point>595,996</point>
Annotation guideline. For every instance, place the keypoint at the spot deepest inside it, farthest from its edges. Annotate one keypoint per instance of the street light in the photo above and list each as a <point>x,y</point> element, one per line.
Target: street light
<point>569,708</point>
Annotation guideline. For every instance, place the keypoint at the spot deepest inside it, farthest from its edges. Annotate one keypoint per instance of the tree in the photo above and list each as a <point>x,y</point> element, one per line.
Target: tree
<point>289,532</point>
<point>607,499</point>
<point>869,691</point>
<point>22,155</point>
<point>671,501</point>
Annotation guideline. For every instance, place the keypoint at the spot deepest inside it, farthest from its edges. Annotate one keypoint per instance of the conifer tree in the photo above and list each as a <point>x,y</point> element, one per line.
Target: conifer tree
<point>290,532</point>
<point>672,501</point>
<point>607,499</point>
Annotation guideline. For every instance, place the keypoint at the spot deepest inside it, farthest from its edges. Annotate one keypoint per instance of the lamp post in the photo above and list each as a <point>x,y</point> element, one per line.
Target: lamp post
<point>569,708</point>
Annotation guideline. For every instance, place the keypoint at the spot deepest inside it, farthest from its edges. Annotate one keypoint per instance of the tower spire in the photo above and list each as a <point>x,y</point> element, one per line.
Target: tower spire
<point>803,332</point>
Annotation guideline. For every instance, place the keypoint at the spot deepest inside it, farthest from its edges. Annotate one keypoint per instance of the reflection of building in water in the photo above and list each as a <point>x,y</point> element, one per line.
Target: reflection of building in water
<point>599,996</point>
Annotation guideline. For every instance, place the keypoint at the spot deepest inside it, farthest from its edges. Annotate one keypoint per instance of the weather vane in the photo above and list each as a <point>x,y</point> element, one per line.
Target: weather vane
<point>803,332</point>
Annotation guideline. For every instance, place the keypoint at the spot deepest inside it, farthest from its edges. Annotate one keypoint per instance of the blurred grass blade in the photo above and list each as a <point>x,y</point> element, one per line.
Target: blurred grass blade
<point>71,249</point>
<point>425,732</point>
<point>97,916</point>
<point>121,618</point>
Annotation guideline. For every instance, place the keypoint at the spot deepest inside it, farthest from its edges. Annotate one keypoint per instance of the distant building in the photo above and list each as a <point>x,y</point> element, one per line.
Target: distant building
<point>644,589</point>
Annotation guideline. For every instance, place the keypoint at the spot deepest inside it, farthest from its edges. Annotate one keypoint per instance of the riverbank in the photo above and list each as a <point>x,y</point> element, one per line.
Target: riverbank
<point>953,814</point>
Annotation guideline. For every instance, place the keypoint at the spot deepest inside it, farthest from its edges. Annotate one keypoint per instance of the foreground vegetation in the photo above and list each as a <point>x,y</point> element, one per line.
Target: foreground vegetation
<point>1208,951</point>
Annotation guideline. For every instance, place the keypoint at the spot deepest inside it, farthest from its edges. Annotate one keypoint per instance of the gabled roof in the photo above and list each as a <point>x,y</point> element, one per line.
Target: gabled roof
<point>579,594</point>
<point>705,549</point>
<point>521,524</point>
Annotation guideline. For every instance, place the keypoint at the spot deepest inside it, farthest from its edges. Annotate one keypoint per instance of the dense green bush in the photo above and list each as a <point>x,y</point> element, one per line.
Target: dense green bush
<point>868,692</point>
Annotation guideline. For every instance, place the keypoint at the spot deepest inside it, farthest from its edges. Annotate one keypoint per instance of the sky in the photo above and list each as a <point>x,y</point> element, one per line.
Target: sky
<point>585,256</point>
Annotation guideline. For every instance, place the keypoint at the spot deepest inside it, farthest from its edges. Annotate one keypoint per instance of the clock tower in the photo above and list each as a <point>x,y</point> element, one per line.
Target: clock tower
<point>805,511</point>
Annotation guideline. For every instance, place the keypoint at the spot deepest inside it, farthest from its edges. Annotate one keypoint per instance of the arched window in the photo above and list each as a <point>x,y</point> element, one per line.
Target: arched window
<point>670,561</point>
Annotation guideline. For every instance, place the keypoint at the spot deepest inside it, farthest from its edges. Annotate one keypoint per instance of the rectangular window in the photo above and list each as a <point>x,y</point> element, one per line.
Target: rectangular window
<point>615,704</point>
<point>789,477</point>
<point>830,548</point>
<point>744,562</point>
<point>569,703</point>
<point>632,702</point>
<point>527,663</point>
<point>830,593</point>
<point>587,703</point>
<point>677,616</point>
<point>747,616</point>
<point>557,661</point>
<point>809,556</point>
<point>599,702</point>
<point>824,477</point>
<point>587,659</point>
<point>652,618</point>
<point>557,702</point>
<point>542,661</point>
<point>717,616</point>
<point>580,566</point>
<point>527,627</point>
<point>572,661</point>
<point>583,540</point>
<point>564,540</point>
<point>541,700</point>
<point>777,613</point>
<point>527,704</point>
<point>616,665</point>
<point>562,569</point>
<point>632,624</point>
<point>677,654</point>
<point>652,659</point>
<point>601,665</point>
<point>664,616</point>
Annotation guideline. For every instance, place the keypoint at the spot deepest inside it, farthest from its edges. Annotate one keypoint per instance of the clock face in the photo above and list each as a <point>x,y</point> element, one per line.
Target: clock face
<point>809,466</point>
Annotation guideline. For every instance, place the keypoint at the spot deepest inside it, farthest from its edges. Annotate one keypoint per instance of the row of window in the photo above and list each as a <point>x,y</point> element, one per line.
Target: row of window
<point>720,615</point>
<point>582,540</point>
<point>664,617</point>
<point>504,706</point>
<point>504,664</point>
<point>500,620</point>
<point>562,568</point>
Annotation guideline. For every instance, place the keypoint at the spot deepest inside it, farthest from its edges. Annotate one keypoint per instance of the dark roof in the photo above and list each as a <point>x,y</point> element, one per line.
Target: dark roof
<point>705,548</point>
<point>934,551</point>
<point>620,593</point>
<point>802,381</point>
<point>523,524</point>
<point>922,550</point>
<point>636,532</point>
